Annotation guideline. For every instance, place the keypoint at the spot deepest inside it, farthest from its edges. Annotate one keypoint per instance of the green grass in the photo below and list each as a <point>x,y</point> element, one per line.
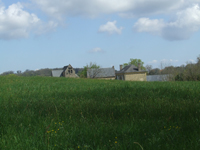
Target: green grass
<point>69,114</point>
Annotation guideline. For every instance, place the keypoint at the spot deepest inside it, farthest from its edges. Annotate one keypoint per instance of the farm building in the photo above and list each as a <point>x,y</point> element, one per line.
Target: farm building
<point>67,71</point>
<point>101,73</point>
<point>164,77</point>
<point>131,73</point>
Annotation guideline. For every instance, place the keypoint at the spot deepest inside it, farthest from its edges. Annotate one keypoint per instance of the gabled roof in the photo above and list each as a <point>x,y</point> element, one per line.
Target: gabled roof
<point>57,73</point>
<point>101,73</point>
<point>130,69</point>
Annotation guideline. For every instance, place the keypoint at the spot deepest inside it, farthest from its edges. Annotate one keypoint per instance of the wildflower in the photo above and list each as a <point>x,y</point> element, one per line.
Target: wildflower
<point>55,132</point>
<point>62,121</point>
<point>55,123</point>
<point>58,129</point>
<point>116,137</point>
<point>115,142</point>
<point>164,127</point>
<point>48,131</point>
<point>78,146</point>
<point>55,144</point>
<point>52,130</point>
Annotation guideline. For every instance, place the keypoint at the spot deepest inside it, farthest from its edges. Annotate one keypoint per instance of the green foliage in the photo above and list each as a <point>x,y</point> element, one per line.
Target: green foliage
<point>65,113</point>
<point>83,74</point>
<point>135,62</point>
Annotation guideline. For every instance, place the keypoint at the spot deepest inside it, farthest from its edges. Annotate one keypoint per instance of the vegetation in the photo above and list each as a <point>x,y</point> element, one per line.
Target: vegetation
<point>83,74</point>
<point>135,62</point>
<point>62,113</point>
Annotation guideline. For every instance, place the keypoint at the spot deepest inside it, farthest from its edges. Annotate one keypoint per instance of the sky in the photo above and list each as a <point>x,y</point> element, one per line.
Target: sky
<point>36,34</point>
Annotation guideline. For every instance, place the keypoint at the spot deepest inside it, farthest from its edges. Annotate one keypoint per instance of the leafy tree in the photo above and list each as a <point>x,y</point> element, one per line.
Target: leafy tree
<point>83,74</point>
<point>135,62</point>
<point>155,71</point>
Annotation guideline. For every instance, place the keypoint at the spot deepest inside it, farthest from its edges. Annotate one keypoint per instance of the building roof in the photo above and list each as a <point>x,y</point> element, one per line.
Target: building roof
<point>101,73</point>
<point>57,73</point>
<point>130,69</point>
<point>164,77</point>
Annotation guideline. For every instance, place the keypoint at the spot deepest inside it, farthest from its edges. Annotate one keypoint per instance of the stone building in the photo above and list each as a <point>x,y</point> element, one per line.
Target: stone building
<point>131,73</point>
<point>67,71</point>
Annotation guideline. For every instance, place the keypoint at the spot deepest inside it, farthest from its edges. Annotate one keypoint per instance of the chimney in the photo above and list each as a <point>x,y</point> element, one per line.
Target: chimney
<point>113,67</point>
<point>139,67</point>
<point>120,66</point>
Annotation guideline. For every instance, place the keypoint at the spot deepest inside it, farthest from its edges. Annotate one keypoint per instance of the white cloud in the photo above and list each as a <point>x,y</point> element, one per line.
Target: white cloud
<point>96,50</point>
<point>94,8</point>
<point>152,26</point>
<point>153,62</point>
<point>110,28</point>
<point>191,61</point>
<point>186,23</point>
<point>163,61</point>
<point>16,23</point>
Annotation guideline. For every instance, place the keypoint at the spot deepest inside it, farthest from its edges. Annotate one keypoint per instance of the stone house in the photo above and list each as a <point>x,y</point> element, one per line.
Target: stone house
<point>131,73</point>
<point>101,73</point>
<point>67,71</point>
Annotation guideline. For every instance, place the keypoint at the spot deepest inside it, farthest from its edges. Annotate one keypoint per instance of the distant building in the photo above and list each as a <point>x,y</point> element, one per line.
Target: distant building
<point>164,77</point>
<point>101,73</point>
<point>131,73</point>
<point>67,71</point>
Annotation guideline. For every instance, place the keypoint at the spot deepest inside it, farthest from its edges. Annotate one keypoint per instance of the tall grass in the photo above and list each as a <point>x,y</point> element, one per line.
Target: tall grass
<point>69,114</point>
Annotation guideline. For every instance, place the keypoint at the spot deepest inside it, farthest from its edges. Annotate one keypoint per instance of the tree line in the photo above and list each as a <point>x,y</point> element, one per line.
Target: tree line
<point>189,72</point>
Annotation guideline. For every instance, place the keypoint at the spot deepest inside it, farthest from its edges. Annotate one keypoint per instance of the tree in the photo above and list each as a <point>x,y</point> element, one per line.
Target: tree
<point>83,74</point>
<point>155,71</point>
<point>7,73</point>
<point>135,62</point>
<point>148,68</point>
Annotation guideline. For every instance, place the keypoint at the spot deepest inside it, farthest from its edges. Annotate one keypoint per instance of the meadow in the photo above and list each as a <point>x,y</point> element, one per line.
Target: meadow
<point>45,113</point>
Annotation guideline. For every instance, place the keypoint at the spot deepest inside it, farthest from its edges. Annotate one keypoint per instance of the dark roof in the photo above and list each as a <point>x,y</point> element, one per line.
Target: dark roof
<point>101,72</point>
<point>65,67</point>
<point>57,73</point>
<point>77,70</point>
<point>129,69</point>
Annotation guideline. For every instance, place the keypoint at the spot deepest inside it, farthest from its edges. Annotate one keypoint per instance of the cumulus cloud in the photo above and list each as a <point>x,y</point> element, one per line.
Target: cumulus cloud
<point>94,8</point>
<point>186,23</point>
<point>96,50</point>
<point>16,23</point>
<point>110,28</point>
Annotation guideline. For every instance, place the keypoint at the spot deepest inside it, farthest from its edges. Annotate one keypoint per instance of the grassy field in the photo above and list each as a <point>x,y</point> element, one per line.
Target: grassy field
<point>44,113</point>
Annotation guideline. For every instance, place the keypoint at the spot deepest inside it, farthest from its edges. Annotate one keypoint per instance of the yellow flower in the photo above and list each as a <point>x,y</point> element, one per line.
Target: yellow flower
<point>55,144</point>
<point>62,121</point>
<point>115,142</point>
<point>116,137</point>
<point>55,131</point>
<point>78,146</point>
<point>164,127</point>
<point>52,130</point>
<point>58,129</point>
<point>55,123</point>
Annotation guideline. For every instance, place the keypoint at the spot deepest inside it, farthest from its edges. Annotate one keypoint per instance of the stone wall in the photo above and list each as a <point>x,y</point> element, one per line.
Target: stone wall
<point>135,77</point>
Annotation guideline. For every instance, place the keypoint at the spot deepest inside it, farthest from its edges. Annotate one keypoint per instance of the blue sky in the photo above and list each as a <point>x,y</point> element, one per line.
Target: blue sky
<point>37,34</point>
